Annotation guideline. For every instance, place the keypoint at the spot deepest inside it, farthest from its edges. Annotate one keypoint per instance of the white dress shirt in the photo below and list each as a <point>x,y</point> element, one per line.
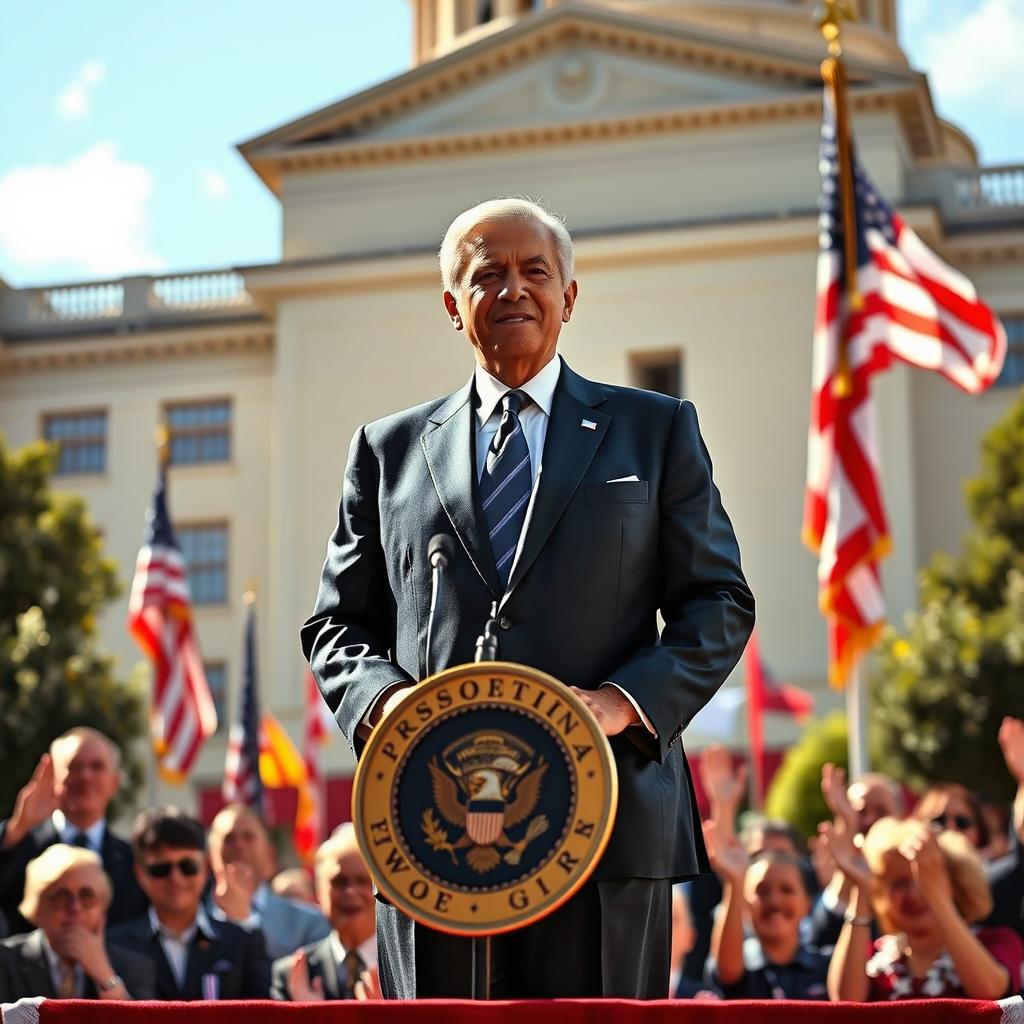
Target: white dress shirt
<point>176,947</point>
<point>69,833</point>
<point>367,950</point>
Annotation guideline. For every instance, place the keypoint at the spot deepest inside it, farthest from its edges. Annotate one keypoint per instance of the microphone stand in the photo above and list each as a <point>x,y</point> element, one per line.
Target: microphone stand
<point>480,974</point>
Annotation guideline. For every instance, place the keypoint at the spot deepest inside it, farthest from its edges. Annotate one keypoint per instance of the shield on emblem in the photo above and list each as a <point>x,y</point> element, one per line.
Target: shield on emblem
<point>484,820</point>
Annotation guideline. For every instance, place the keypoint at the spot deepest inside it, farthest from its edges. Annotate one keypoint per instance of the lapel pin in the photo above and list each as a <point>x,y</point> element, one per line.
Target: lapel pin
<point>589,424</point>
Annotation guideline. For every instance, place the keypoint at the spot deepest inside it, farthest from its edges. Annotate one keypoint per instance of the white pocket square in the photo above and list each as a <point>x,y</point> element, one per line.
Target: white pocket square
<point>632,478</point>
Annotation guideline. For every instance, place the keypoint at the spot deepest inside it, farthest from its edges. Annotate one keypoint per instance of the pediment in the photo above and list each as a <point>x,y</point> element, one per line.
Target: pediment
<point>571,64</point>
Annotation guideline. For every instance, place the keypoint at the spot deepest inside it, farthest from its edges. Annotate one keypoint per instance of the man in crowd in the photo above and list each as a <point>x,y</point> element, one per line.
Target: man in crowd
<point>334,967</point>
<point>242,859</point>
<point>66,897</point>
<point>66,801</point>
<point>580,510</point>
<point>194,957</point>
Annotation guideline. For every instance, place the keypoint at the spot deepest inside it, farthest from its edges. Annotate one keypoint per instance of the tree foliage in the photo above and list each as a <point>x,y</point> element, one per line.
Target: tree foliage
<point>795,792</point>
<point>944,683</point>
<point>54,582</point>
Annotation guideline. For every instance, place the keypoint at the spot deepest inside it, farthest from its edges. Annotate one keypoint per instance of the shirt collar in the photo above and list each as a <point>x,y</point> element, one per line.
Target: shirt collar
<point>540,388</point>
<point>69,832</point>
<point>367,950</point>
<point>201,923</point>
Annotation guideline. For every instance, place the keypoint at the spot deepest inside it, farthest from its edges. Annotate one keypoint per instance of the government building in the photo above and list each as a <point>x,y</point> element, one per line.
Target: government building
<point>680,141</point>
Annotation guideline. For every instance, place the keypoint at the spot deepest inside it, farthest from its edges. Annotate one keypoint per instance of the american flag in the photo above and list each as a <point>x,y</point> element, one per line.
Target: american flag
<point>311,812</point>
<point>160,620</point>
<point>242,765</point>
<point>916,310</point>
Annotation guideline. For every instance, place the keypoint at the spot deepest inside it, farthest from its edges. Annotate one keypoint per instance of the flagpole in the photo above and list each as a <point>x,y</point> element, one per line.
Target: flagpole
<point>856,724</point>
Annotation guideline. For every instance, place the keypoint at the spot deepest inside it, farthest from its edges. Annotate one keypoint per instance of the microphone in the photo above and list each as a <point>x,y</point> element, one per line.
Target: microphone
<point>487,641</point>
<point>439,552</point>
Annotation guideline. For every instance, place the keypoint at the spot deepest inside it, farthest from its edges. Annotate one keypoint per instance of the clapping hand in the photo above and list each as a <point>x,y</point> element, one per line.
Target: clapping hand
<point>724,783</point>
<point>921,848</point>
<point>838,841</point>
<point>1011,739</point>
<point>368,985</point>
<point>35,802</point>
<point>833,789</point>
<point>300,988</point>
<point>728,857</point>
<point>234,888</point>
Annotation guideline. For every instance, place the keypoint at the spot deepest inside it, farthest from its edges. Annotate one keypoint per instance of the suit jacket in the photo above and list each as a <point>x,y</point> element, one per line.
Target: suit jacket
<point>599,561</point>
<point>25,972</point>
<point>129,900</point>
<point>286,925</point>
<point>322,964</point>
<point>235,955</point>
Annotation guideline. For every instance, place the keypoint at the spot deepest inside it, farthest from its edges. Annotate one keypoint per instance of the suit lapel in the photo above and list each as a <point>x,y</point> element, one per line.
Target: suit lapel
<point>448,447</point>
<point>322,963</point>
<point>202,954</point>
<point>37,968</point>
<point>569,449</point>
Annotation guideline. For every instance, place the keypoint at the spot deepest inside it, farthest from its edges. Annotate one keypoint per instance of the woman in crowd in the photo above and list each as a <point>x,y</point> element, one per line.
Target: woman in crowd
<point>926,889</point>
<point>952,807</point>
<point>772,887</point>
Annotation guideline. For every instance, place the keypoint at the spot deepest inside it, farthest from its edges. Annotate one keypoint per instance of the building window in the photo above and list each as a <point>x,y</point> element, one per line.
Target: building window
<point>199,432</point>
<point>660,371</point>
<point>484,11</point>
<point>1013,368</point>
<point>205,549</point>
<point>217,679</point>
<point>82,440</point>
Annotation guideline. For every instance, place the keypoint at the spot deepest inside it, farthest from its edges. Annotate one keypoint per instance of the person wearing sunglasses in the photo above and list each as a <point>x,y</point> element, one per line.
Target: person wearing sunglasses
<point>195,958</point>
<point>948,806</point>
<point>67,895</point>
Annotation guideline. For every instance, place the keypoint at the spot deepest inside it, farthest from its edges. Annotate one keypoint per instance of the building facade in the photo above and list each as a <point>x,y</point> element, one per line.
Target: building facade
<point>679,140</point>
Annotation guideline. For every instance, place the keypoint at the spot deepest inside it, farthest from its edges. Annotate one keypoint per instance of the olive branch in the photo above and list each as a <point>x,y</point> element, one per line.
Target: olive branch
<point>437,837</point>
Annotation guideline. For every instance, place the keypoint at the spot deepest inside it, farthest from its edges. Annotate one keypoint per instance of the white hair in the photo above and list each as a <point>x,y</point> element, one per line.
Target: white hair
<point>453,257</point>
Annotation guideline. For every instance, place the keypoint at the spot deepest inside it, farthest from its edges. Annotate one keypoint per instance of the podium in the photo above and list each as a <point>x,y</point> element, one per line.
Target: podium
<point>484,801</point>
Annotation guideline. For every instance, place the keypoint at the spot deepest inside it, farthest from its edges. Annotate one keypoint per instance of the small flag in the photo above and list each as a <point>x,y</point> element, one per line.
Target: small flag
<point>182,715</point>
<point>311,813</point>
<point>242,766</point>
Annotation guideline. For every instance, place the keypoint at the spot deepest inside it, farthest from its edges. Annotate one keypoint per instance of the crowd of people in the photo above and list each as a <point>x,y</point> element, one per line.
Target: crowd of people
<point>885,902</point>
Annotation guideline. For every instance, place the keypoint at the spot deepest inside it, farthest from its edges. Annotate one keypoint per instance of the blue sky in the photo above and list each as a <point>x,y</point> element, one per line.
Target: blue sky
<point>119,119</point>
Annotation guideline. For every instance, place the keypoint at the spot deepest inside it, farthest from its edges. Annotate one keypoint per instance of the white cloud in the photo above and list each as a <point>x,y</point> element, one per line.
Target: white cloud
<point>215,184</point>
<point>75,100</point>
<point>89,216</point>
<point>978,57</point>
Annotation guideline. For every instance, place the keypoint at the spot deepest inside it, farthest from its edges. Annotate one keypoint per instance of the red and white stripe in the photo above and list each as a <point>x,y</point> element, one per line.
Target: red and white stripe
<point>916,310</point>
<point>160,618</point>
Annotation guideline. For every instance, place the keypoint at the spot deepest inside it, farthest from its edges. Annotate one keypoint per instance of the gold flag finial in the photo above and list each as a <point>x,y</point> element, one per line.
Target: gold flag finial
<point>162,440</point>
<point>829,16</point>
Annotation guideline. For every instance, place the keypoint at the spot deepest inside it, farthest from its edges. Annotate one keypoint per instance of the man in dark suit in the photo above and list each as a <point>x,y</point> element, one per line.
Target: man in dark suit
<point>194,957</point>
<point>66,897</point>
<point>66,801</point>
<point>333,967</point>
<point>581,511</point>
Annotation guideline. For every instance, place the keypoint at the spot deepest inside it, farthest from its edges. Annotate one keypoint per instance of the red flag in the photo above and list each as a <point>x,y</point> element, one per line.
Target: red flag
<point>765,694</point>
<point>912,308</point>
<point>311,815</point>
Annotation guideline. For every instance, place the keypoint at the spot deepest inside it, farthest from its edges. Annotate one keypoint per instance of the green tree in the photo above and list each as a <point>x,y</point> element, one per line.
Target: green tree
<point>795,792</point>
<point>944,683</point>
<point>54,582</point>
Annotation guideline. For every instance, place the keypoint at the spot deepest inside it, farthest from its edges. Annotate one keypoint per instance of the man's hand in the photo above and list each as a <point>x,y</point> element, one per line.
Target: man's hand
<point>368,985</point>
<point>234,889</point>
<point>838,842</point>
<point>921,848</point>
<point>78,945</point>
<point>35,802</point>
<point>609,706</point>
<point>299,986</point>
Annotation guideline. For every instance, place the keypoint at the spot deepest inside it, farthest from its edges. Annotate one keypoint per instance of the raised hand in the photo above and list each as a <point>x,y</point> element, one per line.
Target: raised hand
<point>35,802</point>
<point>724,783</point>
<point>838,841</point>
<point>299,986</point>
<point>234,888</point>
<point>833,789</point>
<point>1011,740</point>
<point>728,857</point>
<point>921,848</point>
<point>79,945</point>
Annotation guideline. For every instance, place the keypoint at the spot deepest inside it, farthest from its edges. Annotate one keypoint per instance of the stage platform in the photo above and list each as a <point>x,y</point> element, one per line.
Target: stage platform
<point>555,1011</point>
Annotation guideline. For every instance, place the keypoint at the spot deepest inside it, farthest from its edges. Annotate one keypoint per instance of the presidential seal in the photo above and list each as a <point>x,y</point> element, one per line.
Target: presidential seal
<point>485,799</point>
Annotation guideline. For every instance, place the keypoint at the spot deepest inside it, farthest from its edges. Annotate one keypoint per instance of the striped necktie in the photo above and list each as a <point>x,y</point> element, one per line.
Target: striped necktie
<point>354,966</point>
<point>506,483</point>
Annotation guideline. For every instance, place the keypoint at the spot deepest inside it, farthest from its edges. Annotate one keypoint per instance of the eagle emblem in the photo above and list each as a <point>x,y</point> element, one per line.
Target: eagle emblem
<point>487,784</point>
